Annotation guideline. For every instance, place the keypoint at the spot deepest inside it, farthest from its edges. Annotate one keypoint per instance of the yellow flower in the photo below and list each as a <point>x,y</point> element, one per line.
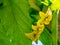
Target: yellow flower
<point>30,36</point>
<point>40,25</point>
<point>38,28</point>
<point>46,17</point>
<point>33,36</point>
<point>34,27</point>
<point>55,4</point>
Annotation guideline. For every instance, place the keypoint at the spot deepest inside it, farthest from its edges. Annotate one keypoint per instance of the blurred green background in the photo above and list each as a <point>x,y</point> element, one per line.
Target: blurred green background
<point>16,18</point>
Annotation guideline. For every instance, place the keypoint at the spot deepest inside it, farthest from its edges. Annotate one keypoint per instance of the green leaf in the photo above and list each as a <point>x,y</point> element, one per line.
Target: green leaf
<point>54,27</point>
<point>46,37</point>
<point>14,22</point>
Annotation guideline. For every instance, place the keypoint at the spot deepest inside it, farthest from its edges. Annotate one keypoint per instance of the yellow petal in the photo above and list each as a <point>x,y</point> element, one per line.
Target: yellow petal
<point>33,36</point>
<point>49,11</point>
<point>34,27</point>
<point>49,14</point>
<point>50,17</point>
<point>37,36</point>
<point>42,15</point>
<point>41,28</point>
<point>55,5</point>
<point>40,24</point>
<point>30,36</point>
<point>53,1</point>
<point>46,22</point>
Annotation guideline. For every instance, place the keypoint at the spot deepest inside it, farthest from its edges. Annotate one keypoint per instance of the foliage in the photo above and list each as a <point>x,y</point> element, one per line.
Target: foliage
<point>17,17</point>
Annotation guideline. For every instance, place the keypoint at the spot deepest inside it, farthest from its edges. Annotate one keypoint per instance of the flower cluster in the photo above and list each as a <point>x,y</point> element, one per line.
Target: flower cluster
<point>45,19</point>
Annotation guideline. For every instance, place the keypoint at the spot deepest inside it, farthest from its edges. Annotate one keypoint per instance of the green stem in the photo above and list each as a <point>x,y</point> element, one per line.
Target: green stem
<point>54,27</point>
